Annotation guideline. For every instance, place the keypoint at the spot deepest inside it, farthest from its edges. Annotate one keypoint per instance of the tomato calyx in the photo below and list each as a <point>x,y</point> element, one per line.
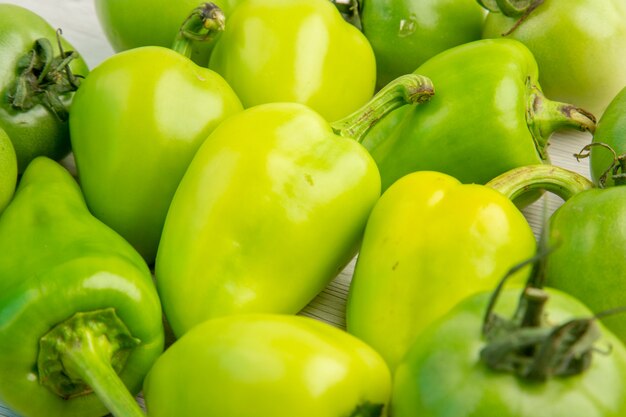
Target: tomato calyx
<point>527,344</point>
<point>204,24</point>
<point>44,78</point>
<point>511,8</point>
<point>351,11</point>
<point>616,170</point>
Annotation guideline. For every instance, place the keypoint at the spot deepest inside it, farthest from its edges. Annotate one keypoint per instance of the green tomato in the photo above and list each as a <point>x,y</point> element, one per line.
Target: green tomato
<point>132,23</point>
<point>267,365</point>
<point>579,45</point>
<point>136,123</point>
<point>611,131</point>
<point>8,170</point>
<point>443,374</point>
<point>405,33</point>
<point>296,51</point>
<point>35,121</point>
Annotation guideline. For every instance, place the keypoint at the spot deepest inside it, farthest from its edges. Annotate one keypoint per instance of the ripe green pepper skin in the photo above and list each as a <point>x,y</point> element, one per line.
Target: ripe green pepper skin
<point>35,130</point>
<point>405,33</point>
<point>296,51</point>
<point>580,46</point>
<point>442,375</point>
<point>136,122</point>
<point>8,170</point>
<point>269,211</point>
<point>611,131</point>
<point>484,120</point>
<point>125,21</point>
<point>429,235</point>
<point>65,262</point>
<point>268,365</point>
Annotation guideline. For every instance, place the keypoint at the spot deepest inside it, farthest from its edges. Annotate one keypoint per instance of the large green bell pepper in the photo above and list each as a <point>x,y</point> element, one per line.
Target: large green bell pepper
<point>488,116</point>
<point>268,365</point>
<point>37,81</point>
<point>136,122</point>
<point>430,241</point>
<point>80,319</point>
<point>272,207</point>
<point>296,51</point>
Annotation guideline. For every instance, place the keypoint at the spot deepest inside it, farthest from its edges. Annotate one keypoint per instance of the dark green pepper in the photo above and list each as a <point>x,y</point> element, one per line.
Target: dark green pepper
<point>78,309</point>
<point>488,116</point>
<point>38,73</point>
<point>271,208</point>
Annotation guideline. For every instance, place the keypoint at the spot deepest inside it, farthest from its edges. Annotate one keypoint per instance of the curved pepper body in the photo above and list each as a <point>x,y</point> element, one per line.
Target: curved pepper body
<point>271,209</point>
<point>580,46</point>
<point>37,131</point>
<point>57,260</point>
<point>296,51</point>
<point>405,33</point>
<point>477,125</point>
<point>430,242</point>
<point>8,170</point>
<point>268,365</point>
<point>443,376</point>
<point>136,123</point>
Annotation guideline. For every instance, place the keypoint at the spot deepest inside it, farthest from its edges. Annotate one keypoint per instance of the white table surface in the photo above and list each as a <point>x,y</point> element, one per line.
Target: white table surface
<point>81,28</point>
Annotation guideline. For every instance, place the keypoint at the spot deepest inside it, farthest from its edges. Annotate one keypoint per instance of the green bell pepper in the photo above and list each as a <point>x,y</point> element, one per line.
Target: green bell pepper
<point>37,81</point>
<point>586,234</point>
<point>8,170</point>
<point>296,51</point>
<point>80,319</point>
<point>548,359</point>
<point>271,208</point>
<point>406,33</point>
<point>430,241</point>
<point>137,121</point>
<point>489,116</point>
<point>268,365</point>
<point>580,45</point>
<point>611,131</point>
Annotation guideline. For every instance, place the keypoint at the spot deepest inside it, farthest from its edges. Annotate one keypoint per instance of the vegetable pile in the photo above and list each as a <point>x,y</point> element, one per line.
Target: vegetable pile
<point>233,159</point>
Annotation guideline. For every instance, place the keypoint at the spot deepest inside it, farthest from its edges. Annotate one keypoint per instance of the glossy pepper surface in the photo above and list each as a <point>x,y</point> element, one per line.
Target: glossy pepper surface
<point>487,117</point>
<point>78,309</point>
<point>37,82</point>
<point>296,51</point>
<point>405,33</point>
<point>580,45</point>
<point>430,241</point>
<point>136,122</point>
<point>268,365</point>
<point>272,207</point>
<point>8,170</point>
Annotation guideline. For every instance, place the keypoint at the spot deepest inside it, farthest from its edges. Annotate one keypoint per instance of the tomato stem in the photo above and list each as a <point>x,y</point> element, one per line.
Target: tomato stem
<point>203,25</point>
<point>406,89</point>
<point>520,181</point>
<point>85,353</point>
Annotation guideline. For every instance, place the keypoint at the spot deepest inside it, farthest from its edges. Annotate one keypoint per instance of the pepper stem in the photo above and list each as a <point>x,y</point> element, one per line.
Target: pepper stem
<point>520,181</point>
<point>44,78</point>
<point>406,89</point>
<point>84,354</point>
<point>203,24</point>
<point>544,117</point>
